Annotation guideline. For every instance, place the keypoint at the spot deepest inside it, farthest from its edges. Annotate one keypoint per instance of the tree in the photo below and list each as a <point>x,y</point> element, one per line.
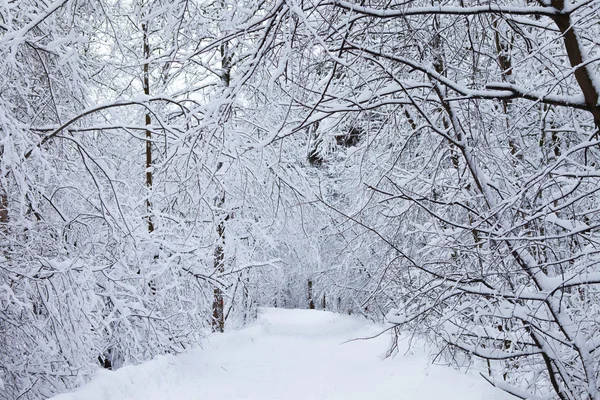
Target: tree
<point>82,285</point>
<point>485,189</point>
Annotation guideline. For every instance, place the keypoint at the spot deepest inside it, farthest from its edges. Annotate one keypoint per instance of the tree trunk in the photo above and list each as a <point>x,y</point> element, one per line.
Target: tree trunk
<point>576,59</point>
<point>3,199</point>
<point>311,303</point>
<point>146,83</point>
<point>218,317</point>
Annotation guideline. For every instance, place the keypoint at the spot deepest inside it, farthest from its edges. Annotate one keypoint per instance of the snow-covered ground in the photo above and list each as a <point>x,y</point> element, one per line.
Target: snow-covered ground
<point>289,355</point>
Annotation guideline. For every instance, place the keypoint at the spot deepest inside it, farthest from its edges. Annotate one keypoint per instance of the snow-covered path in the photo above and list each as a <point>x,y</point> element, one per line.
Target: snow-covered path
<point>289,355</point>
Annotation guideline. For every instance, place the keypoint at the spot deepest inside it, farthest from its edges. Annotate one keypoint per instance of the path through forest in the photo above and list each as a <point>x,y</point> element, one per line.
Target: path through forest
<point>290,355</point>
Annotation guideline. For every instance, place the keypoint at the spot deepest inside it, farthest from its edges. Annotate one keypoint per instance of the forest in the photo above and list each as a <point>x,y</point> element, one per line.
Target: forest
<point>168,167</point>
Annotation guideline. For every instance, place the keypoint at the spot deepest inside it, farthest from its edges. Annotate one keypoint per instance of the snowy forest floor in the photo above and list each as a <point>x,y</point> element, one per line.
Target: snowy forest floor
<point>290,355</point>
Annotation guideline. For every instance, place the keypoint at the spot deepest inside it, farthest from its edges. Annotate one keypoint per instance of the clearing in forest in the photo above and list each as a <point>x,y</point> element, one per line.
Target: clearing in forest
<point>290,355</point>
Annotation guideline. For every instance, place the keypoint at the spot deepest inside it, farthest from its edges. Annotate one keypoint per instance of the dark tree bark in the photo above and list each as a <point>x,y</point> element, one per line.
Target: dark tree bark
<point>311,303</point>
<point>575,54</point>
<point>146,84</point>
<point>218,317</point>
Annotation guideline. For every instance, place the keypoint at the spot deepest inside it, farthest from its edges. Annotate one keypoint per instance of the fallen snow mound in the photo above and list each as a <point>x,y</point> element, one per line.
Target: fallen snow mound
<point>289,355</point>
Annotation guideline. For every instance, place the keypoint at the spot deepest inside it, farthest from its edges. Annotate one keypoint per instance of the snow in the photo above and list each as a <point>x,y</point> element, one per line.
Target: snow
<point>290,354</point>
<point>445,10</point>
<point>571,225</point>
